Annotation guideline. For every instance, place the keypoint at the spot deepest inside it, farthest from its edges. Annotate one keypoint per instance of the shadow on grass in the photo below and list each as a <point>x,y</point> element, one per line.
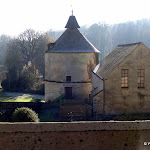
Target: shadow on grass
<point>48,115</point>
<point>5,98</point>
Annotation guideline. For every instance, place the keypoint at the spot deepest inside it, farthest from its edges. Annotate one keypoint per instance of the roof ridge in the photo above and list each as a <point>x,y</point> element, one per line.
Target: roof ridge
<point>130,44</point>
<point>115,57</point>
<point>88,41</point>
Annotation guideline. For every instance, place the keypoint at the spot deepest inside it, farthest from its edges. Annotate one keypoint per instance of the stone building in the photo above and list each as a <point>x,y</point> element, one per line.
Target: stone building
<point>121,82</point>
<point>68,65</point>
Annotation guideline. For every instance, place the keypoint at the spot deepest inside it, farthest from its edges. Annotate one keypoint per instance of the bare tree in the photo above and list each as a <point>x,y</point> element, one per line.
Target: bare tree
<point>28,47</point>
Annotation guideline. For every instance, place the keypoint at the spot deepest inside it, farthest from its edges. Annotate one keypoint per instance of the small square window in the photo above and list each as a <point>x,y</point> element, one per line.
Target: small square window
<point>68,78</point>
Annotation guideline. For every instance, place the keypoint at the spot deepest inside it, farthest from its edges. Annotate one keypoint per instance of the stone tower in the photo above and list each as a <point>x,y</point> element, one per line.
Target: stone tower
<point>68,65</point>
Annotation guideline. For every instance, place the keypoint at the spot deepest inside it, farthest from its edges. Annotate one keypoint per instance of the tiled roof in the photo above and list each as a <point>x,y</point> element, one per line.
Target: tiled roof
<point>114,58</point>
<point>72,40</point>
<point>72,23</point>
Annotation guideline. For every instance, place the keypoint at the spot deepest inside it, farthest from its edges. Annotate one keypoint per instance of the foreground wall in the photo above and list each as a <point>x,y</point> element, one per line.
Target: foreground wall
<point>75,136</point>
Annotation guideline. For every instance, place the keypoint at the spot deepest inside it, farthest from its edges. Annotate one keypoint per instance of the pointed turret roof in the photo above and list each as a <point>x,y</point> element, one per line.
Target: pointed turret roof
<point>72,40</point>
<point>72,23</point>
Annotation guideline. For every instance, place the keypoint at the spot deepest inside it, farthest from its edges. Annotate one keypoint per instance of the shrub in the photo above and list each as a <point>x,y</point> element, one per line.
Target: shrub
<point>24,114</point>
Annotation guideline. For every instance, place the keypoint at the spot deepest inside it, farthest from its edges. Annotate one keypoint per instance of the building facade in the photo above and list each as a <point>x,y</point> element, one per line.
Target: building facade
<point>68,65</point>
<point>124,81</point>
<point>119,84</point>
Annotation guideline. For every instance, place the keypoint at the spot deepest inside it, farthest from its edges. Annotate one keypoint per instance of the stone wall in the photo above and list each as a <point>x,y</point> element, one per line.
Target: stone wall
<point>98,103</point>
<point>132,99</point>
<point>56,90</point>
<point>76,65</point>
<point>75,136</point>
<point>97,82</point>
<point>13,105</point>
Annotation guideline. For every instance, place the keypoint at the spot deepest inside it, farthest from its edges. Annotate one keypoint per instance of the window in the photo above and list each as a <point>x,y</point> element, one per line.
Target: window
<point>68,78</point>
<point>124,78</point>
<point>141,76</point>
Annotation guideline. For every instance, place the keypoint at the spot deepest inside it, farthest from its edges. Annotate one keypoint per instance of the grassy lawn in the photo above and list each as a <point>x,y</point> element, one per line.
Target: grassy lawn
<point>24,98</point>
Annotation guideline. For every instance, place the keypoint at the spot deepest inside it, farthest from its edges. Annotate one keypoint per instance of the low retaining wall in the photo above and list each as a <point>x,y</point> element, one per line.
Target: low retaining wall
<point>13,105</point>
<point>110,135</point>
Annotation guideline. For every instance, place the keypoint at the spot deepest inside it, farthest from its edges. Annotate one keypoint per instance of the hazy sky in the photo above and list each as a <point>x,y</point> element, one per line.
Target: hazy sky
<point>42,15</point>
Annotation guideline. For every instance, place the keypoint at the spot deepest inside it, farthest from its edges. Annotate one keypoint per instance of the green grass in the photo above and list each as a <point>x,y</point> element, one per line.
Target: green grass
<point>23,98</point>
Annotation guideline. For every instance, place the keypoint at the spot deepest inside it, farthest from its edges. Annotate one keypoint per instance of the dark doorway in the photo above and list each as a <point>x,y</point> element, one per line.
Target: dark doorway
<point>68,92</point>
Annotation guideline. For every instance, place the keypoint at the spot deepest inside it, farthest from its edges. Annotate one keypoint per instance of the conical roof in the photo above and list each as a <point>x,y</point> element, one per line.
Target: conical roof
<point>72,41</point>
<point>72,23</point>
